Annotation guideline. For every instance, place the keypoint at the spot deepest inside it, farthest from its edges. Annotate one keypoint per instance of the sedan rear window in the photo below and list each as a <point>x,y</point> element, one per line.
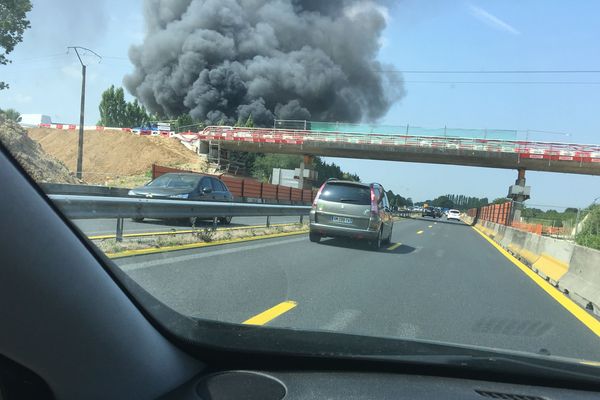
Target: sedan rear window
<point>346,193</point>
<point>175,181</point>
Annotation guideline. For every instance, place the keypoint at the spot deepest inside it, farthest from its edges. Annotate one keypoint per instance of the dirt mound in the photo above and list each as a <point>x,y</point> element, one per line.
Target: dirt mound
<point>41,166</point>
<point>109,156</point>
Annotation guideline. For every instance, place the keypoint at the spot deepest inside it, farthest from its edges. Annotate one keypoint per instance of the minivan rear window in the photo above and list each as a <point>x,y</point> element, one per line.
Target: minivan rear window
<point>346,193</point>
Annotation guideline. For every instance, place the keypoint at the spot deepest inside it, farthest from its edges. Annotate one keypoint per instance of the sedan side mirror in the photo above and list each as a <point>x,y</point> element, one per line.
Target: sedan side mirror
<point>206,190</point>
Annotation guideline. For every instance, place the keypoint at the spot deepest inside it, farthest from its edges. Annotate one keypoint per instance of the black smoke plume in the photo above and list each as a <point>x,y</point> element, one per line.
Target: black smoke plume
<point>288,59</point>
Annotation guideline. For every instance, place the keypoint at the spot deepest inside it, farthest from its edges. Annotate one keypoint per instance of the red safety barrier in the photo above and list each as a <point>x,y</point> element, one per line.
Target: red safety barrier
<point>251,188</point>
<point>296,195</point>
<point>269,191</point>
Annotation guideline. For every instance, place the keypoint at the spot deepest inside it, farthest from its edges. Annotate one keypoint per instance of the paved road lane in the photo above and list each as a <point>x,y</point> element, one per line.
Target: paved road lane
<point>97,227</point>
<point>439,280</point>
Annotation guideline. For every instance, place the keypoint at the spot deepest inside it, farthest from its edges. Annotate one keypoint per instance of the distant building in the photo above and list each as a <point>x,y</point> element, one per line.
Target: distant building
<point>33,120</point>
<point>291,177</point>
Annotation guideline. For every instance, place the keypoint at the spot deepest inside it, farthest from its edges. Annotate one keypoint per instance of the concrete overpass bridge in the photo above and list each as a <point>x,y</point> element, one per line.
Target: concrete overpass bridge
<point>476,152</point>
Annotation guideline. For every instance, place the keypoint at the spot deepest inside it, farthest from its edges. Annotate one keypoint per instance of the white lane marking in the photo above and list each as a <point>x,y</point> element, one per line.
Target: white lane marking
<point>189,257</point>
<point>341,320</point>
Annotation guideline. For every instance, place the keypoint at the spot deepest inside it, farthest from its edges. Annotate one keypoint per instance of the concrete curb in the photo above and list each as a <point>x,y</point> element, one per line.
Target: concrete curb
<point>154,250</point>
<point>582,281</point>
<point>573,269</point>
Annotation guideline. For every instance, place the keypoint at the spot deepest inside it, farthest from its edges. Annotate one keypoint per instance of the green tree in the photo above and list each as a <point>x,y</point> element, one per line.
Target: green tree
<point>185,123</point>
<point>443,201</point>
<point>263,164</point>
<point>500,200</point>
<point>13,22</point>
<point>113,107</point>
<point>326,171</point>
<point>262,167</point>
<point>135,115</point>
<point>590,232</point>
<point>11,114</point>
<point>116,111</point>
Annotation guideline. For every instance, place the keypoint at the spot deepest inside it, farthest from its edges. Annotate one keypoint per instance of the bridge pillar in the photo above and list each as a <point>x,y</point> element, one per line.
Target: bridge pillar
<point>518,192</point>
<point>306,163</point>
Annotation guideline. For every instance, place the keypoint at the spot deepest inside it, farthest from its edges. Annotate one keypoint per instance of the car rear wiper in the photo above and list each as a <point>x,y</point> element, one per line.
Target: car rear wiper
<point>349,200</point>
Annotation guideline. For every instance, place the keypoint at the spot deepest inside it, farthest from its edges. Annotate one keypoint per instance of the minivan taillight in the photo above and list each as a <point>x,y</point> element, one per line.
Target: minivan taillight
<point>314,204</point>
<point>374,208</point>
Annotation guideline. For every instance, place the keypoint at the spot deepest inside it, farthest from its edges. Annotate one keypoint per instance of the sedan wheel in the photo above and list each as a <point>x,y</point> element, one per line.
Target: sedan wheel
<point>225,220</point>
<point>377,242</point>
<point>389,238</point>
<point>314,237</point>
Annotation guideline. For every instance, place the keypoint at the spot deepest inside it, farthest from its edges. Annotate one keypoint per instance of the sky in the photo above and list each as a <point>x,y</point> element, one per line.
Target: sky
<point>433,35</point>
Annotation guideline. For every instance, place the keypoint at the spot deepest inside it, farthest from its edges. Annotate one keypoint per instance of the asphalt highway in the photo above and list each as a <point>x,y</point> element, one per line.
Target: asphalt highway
<point>438,280</point>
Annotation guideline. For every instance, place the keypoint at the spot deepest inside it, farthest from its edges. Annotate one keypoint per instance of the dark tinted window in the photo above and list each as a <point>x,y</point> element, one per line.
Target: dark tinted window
<point>386,202</point>
<point>205,183</point>
<point>176,181</point>
<point>347,193</point>
<point>217,185</point>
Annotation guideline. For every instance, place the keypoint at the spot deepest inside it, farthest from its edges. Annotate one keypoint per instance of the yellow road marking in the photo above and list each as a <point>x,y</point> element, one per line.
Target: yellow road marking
<point>419,232</point>
<point>271,313</point>
<point>430,226</point>
<point>394,246</point>
<point>592,323</point>
<point>140,252</point>
<point>164,233</point>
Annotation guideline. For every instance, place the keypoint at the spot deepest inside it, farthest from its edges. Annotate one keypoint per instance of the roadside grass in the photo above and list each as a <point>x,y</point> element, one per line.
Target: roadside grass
<point>203,235</point>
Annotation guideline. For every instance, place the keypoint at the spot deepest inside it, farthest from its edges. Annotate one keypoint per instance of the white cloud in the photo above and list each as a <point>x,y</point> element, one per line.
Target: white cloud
<point>355,10</point>
<point>492,20</point>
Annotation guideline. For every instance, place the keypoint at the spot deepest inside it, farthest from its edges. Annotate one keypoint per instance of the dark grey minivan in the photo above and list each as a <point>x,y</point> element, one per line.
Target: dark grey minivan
<point>351,209</point>
<point>188,186</point>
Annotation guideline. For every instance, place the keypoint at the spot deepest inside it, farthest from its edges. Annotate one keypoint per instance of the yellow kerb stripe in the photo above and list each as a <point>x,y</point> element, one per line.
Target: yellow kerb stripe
<point>589,321</point>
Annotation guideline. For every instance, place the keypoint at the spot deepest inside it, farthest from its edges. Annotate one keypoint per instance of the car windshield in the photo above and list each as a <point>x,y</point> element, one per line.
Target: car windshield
<point>409,170</point>
<point>175,181</point>
<point>349,193</point>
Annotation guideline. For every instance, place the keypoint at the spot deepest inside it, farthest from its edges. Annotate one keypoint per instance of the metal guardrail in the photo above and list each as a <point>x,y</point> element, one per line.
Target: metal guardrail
<point>95,207</point>
<point>83,190</point>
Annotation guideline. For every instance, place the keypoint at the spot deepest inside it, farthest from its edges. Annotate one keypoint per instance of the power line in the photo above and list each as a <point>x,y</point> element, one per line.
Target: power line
<point>498,71</point>
<point>509,82</point>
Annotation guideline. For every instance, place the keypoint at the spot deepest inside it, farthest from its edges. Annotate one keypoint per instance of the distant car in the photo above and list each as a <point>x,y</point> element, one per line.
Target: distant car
<point>185,186</point>
<point>428,212</point>
<point>453,214</point>
<point>351,209</point>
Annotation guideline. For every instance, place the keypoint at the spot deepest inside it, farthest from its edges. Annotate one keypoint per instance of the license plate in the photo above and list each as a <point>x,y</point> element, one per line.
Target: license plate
<point>342,220</point>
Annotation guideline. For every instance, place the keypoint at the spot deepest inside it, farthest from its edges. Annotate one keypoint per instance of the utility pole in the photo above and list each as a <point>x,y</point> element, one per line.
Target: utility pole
<point>82,109</point>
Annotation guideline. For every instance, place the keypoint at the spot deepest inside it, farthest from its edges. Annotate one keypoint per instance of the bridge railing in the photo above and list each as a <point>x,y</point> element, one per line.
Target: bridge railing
<point>525,149</point>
